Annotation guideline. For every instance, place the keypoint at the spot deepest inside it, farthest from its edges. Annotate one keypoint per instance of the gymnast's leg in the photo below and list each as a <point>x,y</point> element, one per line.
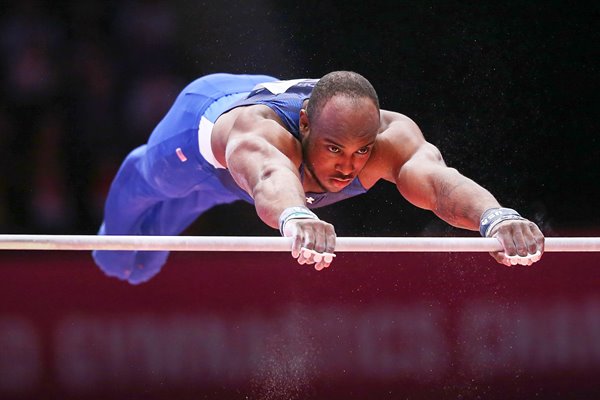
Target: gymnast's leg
<point>136,205</point>
<point>155,191</point>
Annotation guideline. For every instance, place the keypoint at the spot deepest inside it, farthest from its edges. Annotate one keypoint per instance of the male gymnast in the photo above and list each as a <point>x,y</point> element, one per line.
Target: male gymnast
<point>288,147</point>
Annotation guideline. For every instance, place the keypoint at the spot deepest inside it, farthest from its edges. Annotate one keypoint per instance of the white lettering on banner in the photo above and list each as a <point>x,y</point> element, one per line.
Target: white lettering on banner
<point>402,342</point>
<point>192,350</point>
<point>20,355</point>
<point>135,350</point>
<point>381,343</point>
<point>550,337</point>
<point>384,343</point>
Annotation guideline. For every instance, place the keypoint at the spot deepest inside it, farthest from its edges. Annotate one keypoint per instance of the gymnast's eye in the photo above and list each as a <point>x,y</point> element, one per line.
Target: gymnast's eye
<point>363,150</point>
<point>333,149</point>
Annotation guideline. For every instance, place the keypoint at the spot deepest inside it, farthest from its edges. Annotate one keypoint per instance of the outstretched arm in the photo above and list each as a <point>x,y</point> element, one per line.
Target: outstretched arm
<point>424,179</point>
<point>427,182</point>
<point>263,170</point>
<point>263,159</point>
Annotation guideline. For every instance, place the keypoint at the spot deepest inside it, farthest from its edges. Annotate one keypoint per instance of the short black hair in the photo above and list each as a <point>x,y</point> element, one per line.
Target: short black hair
<point>346,83</point>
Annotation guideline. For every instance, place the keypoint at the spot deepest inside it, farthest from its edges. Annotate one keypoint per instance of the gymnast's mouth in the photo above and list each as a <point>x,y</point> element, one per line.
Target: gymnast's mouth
<point>340,182</point>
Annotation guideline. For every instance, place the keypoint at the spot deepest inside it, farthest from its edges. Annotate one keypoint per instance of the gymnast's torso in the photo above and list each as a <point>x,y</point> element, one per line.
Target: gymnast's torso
<point>281,102</point>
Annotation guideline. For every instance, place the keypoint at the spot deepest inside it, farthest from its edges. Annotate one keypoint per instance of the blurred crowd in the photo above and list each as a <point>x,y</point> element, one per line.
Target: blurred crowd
<point>82,83</point>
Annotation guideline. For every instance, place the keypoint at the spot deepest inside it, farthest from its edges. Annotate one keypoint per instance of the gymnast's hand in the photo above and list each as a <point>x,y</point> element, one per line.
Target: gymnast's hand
<point>313,240</point>
<point>522,240</point>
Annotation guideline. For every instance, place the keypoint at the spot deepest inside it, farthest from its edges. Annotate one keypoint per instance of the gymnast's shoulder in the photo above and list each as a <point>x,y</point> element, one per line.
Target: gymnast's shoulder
<point>398,141</point>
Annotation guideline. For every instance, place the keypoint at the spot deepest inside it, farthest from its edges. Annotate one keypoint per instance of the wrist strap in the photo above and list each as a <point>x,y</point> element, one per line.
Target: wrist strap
<point>493,216</point>
<point>294,213</point>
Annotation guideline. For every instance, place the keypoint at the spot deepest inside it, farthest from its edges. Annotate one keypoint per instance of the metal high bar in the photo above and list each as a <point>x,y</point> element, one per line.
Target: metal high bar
<point>275,244</point>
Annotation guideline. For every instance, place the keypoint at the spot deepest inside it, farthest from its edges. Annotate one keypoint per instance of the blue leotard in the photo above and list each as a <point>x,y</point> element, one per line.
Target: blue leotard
<point>164,185</point>
<point>286,99</point>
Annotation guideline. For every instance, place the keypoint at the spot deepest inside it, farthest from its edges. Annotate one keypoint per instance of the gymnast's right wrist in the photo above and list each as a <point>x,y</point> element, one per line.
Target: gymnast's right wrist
<point>291,213</point>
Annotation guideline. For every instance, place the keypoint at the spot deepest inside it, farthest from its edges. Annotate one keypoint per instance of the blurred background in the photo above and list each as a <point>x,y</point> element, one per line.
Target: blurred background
<point>508,91</point>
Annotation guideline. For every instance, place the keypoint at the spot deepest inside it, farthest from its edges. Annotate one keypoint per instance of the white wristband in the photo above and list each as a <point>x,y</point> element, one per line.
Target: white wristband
<point>294,213</point>
<point>493,216</point>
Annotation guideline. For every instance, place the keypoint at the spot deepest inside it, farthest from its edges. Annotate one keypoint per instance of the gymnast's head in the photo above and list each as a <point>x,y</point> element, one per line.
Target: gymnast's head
<point>338,128</point>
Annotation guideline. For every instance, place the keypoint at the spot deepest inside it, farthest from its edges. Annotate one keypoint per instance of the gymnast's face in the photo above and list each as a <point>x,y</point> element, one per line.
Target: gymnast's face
<point>337,143</point>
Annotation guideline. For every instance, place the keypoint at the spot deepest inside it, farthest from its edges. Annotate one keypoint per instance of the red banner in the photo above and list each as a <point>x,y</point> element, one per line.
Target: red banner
<point>243,325</point>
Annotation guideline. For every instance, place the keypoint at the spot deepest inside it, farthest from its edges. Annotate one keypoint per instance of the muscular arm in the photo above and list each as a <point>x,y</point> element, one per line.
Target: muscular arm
<point>263,159</point>
<point>423,178</point>
<point>427,182</point>
<point>259,156</point>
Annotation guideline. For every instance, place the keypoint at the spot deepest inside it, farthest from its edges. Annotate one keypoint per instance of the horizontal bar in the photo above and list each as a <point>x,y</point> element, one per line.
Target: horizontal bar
<point>256,243</point>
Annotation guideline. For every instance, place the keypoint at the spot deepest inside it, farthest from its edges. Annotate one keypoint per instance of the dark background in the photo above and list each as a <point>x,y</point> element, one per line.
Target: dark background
<point>508,92</point>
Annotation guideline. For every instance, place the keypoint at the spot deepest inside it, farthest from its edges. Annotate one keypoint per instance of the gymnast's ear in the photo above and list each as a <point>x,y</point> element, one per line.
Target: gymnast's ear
<point>304,123</point>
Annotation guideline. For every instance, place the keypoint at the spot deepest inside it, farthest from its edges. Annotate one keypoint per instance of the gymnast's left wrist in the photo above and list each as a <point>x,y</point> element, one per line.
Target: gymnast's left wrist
<point>492,217</point>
